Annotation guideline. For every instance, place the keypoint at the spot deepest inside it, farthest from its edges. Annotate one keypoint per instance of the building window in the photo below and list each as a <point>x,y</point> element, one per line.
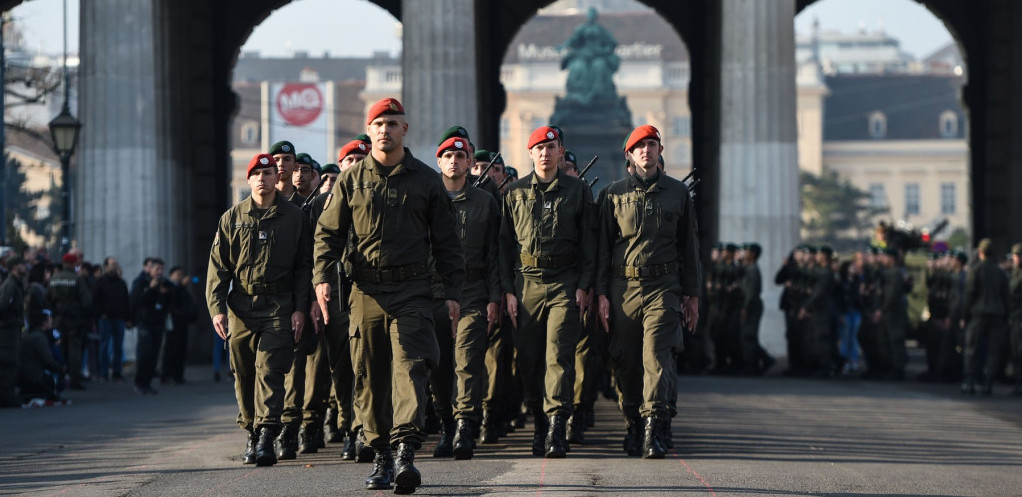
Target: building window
<point>877,195</point>
<point>911,199</point>
<point>947,198</point>
<point>249,133</point>
<point>877,125</point>
<point>681,126</point>
<point>948,124</point>
<point>505,129</point>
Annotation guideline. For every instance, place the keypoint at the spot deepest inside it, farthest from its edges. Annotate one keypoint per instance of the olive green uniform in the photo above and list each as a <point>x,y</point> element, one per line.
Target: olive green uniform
<point>397,216</point>
<point>259,271</point>
<point>816,327</point>
<point>71,299</point>
<point>986,309</point>
<point>547,246</point>
<point>12,320</point>
<point>648,260</point>
<point>752,305</point>
<point>894,321</point>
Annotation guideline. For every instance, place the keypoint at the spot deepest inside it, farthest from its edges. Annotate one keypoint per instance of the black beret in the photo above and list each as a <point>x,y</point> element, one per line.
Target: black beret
<point>569,156</point>
<point>331,169</point>
<point>304,158</point>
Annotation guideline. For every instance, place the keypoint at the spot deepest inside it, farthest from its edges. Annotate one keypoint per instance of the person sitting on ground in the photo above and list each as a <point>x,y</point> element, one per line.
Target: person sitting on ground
<point>39,373</point>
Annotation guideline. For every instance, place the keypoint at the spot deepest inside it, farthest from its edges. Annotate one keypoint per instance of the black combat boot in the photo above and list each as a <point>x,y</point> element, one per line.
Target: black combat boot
<point>264,454</point>
<point>577,426</point>
<point>348,452</point>
<point>363,452</point>
<point>488,434</point>
<point>287,443</point>
<point>307,439</point>
<point>556,445</point>
<point>330,431</point>
<point>383,470</point>
<point>633,439</point>
<point>539,434</point>
<point>445,447</point>
<point>651,448</point>
<point>406,477</point>
<point>666,434</point>
<point>463,440</point>
<point>249,457</point>
<point>319,439</point>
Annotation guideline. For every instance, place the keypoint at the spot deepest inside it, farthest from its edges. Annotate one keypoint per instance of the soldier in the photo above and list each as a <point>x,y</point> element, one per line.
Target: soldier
<point>69,295</point>
<point>787,275</point>
<point>284,155</point>
<point>12,320</point>
<point>546,261</point>
<point>648,272</point>
<point>306,176</point>
<point>891,317</point>
<point>257,290</point>
<point>755,360</point>
<point>724,311</point>
<point>937,286</point>
<point>397,212</point>
<point>496,174</point>
<point>870,292</point>
<point>1015,316</point>
<point>353,152</point>
<point>986,309</point>
<point>327,177</point>
<point>816,314</point>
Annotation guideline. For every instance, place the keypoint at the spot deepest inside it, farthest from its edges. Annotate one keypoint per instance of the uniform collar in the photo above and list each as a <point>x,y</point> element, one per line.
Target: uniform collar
<point>250,206</point>
<point>636,183</point>
<point>408,164</point>
<point>554,184</point>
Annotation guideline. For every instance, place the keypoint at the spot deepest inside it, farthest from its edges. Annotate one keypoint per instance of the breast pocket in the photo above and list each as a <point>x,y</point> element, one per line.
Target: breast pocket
<point>669,216</point>
<point>243,235</point>
<point>522,208</point>
<point>627,214</point>
<point>363,210</point>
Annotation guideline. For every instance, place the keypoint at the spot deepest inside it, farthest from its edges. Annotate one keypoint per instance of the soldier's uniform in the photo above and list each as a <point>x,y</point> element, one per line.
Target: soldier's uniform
<point>547,246</point>
<point>648,260</point>
<point>71,299</point>
<point>752,307</point>
<point>259,269</point>
<point>12,320</point>
<point>870,332</point>
<point>397,216</point>
<point>938,282</point>
<point>788,276</point>
<point>819,308</point>
<point>986,307</point>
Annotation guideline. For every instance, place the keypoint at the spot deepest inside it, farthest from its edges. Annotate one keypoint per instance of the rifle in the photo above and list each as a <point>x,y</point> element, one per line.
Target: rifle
<point>689,175</point>
<point>482,176</point>
<point>502,183</point>
<point>343,284</point>
<point>594,182</point>
<point>585,170</point>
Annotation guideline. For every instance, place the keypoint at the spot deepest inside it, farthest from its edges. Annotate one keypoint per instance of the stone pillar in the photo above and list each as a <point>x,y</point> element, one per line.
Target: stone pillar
<point>124,185</point>
<point>438,71</point>
<point>759,186</point>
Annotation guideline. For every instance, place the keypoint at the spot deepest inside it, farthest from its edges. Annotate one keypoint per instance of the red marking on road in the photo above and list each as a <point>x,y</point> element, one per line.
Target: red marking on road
<point>542,476</point>
<point>696,474</point>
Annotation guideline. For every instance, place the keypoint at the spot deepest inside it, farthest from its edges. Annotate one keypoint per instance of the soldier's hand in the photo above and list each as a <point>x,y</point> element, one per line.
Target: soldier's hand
<point>322,297</point>
<point>690,306</point>
<point>492,317</point>
<point>604,305</point>
<point>297,324</point>
<point>317,318</point>
<point>582,299</point>
<point>802,314</point>
<point>743,316</point>
<point>512,308</point>
<point>454,313</point>
<point>220,326</point>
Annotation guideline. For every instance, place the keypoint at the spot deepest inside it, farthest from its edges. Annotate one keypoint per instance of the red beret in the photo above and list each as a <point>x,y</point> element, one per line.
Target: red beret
<point>455,142</point>
<point>542,134</point>
<point>260,160</point>
<point>353,147</point>
<point>639,134</point>
<point>385,106</point>
<point>69,258</point>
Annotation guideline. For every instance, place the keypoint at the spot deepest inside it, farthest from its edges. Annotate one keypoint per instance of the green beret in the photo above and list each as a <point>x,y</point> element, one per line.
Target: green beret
<point>304,158</point>
<point>569,156</point>
<point>482,155</point>
<point>282,147</point>
<point>364,138</point>
<point>330,169</point>
<point>454,131</point>
<point>560,133</point>
<point>510,171</point>
<point>812,249</point>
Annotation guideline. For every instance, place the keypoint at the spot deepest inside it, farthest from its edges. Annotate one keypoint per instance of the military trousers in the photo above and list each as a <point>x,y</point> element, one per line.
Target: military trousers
<point>499,353</point>
<point>262,352</point>
<point>750,335</point>
<point>891,342</point>
<point>984,332</point>
<point>470,347</point>
<point>72,343</point>
<point>591,342</point>
<point>317,383</point>
<point>393,349</point>
<point>548,329</point>
<point>296,378</point>
<point>441,377</point>
<point>645,333</point>
<point>342,375</point>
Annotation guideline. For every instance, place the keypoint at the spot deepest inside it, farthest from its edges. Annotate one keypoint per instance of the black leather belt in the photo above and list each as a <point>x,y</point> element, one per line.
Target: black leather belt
<point>650,271</point>
<point>274,288</point>
<point>548,261</point>
<point>470,275</point>
<point>389,274</point>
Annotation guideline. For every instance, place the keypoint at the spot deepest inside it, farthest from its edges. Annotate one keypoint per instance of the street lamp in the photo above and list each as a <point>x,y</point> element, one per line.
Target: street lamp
<point>64,131</point>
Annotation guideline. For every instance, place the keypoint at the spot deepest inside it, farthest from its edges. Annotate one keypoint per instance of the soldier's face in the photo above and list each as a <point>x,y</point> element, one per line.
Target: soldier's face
<point>1016,260</point>
<point>304,176</point>
<point>546,156</point>
<point>646,154</point>
<point>350,160</point>
<point>387,132</point>
<point>263,180</point>
<point>453,164</point>
<point>328,182</point>
<point>496,173</point>
<point>156,271</point>
<point>285,164</point>
<point>570,169</point>
<point>478,167</point>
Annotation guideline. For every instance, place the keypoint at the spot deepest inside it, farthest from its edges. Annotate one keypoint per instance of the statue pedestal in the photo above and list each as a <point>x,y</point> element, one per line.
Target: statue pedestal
<point>597,129</point>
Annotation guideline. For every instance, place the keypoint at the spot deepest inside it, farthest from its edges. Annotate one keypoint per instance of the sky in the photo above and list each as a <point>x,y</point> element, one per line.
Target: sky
<point>325,25</point>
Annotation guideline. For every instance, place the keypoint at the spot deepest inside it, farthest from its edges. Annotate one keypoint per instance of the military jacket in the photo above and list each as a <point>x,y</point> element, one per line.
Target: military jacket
<point>260,267</point>
<point>12,303</point>
<point>477,221</point>
<point>820,292</point>
<point>986,291</point>
<point>893,290</point>
<point>70,299</point>
<point>396,220</point>
<point>752,286</point>
<point>553,224</point>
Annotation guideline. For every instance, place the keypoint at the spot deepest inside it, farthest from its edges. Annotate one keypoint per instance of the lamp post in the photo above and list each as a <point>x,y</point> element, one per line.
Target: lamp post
<point>64,131</point>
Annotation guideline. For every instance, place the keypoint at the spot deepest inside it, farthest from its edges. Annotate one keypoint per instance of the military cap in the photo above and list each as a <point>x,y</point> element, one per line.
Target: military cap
<point>1017,248</point>
<point>542,134</point>
<point>985,245</point>
<point>639,134</point>
<point>936,255</point>
<point>812,249</point>
<point>364,138</point>
<point>826,250</point>
<point>482,155</point>
<point>730,247</point>
<point>304,158</point>
<point>569,156</point>
<point>961,256</point>
<point>453,131</point>
<point>452,143</point>
<point>330,169</point>
<point>510,171</point>
<point>282,147</point>
<point>260,161</point>
<point>353,147</point>
<point>387,106</point>
<point>69,258</point>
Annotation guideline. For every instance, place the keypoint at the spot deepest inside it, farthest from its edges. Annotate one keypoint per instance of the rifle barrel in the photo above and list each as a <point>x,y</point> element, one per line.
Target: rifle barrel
<point>586,169</point>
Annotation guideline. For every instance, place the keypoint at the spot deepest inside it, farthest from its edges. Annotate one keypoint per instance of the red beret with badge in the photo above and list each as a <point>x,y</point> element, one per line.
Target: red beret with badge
<point>260,161</point>
<point>542,134</point>
<point>641,133</point>
<point>387,106</point>
<point>353,147</point>
<point>453,143</point>
<point>69,258</point>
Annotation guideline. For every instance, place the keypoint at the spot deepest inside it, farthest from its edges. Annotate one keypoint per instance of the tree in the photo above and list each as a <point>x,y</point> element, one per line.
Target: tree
<point>835,212</point>
<point>23,208</point>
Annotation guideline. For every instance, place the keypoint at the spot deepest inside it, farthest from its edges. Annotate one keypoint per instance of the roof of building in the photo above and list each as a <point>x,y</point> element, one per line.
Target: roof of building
<point>252,68</point>
<point>911,106</point>
<point>638,35</point>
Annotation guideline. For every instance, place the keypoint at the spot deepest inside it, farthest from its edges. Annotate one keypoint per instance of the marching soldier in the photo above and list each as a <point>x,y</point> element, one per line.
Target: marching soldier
<point>71,299</point>
<point>284,156</point>
<point>546,263</point>
<point>258,293</point>
<point>752,311</point>
<point>816,314</point>
<point>397,212</point>
<point>648,272</point>
<point>986,308</point>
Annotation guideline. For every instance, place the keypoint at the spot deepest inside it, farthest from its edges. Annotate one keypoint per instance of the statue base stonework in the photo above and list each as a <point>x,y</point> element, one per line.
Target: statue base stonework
<point>597,129</point>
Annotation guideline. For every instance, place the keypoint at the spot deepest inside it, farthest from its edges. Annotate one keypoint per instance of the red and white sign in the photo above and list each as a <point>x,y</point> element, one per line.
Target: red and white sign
<point>299,104</point>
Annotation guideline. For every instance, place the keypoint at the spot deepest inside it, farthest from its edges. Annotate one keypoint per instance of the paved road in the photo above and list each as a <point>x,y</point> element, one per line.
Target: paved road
<point>769,436</point>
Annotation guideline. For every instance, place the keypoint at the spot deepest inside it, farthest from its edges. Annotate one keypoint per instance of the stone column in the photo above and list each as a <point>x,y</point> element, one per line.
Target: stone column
<point>438,71</point>
<point>759,186</point>
<point>123,193</point>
